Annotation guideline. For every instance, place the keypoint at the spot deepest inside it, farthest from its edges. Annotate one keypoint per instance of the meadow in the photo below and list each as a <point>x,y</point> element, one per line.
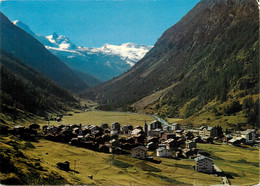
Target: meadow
<point>40,158</point>
<point>99,117</point>
<point>241,164</point>
<point>118,169</point>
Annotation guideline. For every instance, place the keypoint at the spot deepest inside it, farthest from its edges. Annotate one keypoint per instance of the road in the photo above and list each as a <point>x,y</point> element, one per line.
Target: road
<point>161,120</point>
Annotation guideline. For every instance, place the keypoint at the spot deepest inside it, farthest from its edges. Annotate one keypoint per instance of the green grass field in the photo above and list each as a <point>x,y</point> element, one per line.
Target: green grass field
<point>99,117</point>
<point>120,170</point>
<point>40,158</point>
<point>241,163</point>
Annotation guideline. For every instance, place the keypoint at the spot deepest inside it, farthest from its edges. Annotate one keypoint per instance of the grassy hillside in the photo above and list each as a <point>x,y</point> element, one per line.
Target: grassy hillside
<point>18,168</point>
<point>123,170</point>
<point>118,170</point>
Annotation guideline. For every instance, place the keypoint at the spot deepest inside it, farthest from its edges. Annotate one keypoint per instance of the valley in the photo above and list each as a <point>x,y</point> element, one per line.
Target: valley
<point>181,111</point>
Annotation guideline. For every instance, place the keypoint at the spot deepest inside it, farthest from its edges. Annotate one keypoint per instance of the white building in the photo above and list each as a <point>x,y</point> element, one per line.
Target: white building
<point>162,152</point>
<point>204,164</point>
<point>249,135</point>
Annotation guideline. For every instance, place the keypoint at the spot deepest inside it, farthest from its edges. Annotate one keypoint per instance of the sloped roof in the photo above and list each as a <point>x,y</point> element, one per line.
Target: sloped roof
<point>141,148</point>
<point>201,157</point>
<point>136,131</point>
<point>210,128</point>
<point>202,127</point>
<point>161,149</point>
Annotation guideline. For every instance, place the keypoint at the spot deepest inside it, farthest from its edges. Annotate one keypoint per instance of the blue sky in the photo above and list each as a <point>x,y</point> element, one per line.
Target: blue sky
<point>92,23</point>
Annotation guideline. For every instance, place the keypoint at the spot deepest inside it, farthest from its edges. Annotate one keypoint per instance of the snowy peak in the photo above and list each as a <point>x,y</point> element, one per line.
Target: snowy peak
<point>61,42</point>
<point>23,26</point>
<point>129,52</point>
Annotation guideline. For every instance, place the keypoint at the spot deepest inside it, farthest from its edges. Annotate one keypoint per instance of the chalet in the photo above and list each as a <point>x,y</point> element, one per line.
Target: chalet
<point>167,136</point>
<point>204,164</point>
<point>115,126</point>
<point>154,125</point>
<point>190,144</point>
<point>176,126</point>
<point>207,131</point>
<point>161,152</point>
<point>139,152</point>
<point>249,136</point>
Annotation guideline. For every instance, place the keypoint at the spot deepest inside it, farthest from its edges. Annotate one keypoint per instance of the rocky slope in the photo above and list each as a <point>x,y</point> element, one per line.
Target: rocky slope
<point>211,53</point>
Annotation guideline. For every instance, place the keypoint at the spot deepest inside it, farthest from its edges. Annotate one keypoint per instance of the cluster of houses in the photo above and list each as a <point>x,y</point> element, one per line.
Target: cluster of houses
<point>237,138</point>
<point>165,141</point>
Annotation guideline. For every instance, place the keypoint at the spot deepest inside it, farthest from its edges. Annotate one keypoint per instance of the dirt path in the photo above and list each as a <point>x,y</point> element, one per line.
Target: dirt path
<point>224,178</point>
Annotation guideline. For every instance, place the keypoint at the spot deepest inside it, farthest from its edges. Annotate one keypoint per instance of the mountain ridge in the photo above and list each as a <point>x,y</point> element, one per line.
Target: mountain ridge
<point>104,63</point>
<point>210,52</point>
<point>22,45</point>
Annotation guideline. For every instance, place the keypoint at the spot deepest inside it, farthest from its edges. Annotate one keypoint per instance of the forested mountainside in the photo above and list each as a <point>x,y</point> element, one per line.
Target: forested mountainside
<point>25,47</point>
<point>27,89</point>
<point>211,54</point>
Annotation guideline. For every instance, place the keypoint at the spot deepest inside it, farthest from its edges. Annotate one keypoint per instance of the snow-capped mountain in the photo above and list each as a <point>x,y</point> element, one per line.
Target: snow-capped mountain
<point>61,42</point>
<point>104,63</point>
<point>129,52</point>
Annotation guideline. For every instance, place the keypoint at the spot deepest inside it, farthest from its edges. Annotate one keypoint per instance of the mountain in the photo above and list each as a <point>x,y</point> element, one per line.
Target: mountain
<point>211,54</point>
<point>103,63</point>
<point>22,45</point>
<point>27,89</point>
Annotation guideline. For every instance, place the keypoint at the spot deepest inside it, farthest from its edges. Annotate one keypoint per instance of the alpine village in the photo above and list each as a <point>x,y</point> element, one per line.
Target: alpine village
<point>186,113</point>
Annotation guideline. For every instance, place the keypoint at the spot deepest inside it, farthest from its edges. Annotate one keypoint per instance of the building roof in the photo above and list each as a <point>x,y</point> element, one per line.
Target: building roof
<point>136,131</point>
<point>210,128</point>
<point>201,157</point>
<point>141,148</point>
<point>247,131</point>
<point>169,140</point>
<point>202,127</point>
<point>161,149</point>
